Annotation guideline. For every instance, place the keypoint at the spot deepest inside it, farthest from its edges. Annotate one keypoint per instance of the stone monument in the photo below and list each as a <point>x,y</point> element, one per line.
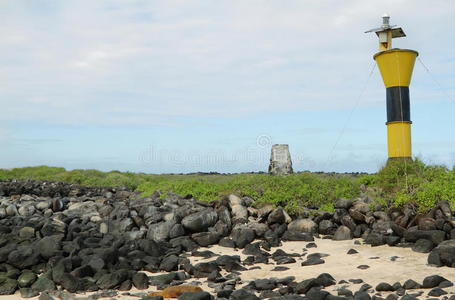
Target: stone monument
<point>280,160</point>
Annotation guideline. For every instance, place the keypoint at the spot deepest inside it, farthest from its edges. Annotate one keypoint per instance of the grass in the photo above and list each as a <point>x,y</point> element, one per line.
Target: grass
<point>398,183</point>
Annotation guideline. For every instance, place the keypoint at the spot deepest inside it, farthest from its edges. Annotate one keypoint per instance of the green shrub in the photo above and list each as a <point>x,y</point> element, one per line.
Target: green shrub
<point>399,183</point>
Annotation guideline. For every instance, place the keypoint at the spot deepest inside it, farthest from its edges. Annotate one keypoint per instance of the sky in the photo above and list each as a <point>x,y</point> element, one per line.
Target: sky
<point>178,86</point>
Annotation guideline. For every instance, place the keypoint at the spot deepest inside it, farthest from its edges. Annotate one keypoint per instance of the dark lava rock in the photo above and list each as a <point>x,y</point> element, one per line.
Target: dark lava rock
<point>344,292</point>
<point>304,286</point>
<point>276,216</point>
<point>392,240</point>
<point>185,242</point>
<point>49,246</point>
<point>126,285</point>
<point>436,292</point>
<point>365,287</point>
<point>205,239</point>
<point>226,242</point>
<point>140,281</point>
<point>384,287</point>
<point>445,284</point>
<point>169,263</point>
<point>69,282</point>
<point>243,236</point>
<point>28,292</point>
<point>243,294</point>
<point>343,203</point>
<point>325,280</point>
<point>200,221</point>
<point>356,280</point>
<point>411,284</point>
<point>151,248</point>
<point>435,236</point>
<point>111,280</point>
<point>160,231</point>
<point>53,227</point>
<point>352,251</point>
<point>163,279</point>
<point>290,235</point>
<point>375,239</point>
<point>311,245</point>
<point>432,281</point>
<point>264,284</point>
<point>315,293</point>
<point>176,231</point>
<point>23,257</point>
<point>363,267</point>
<point>342,233</point>
<point>253,249</point>
<point>8,287</point>
<point>312,261</point>
<point>422,246</point>
<point>203,269</point>
<point>326,227</point>
<point>43,283</point>
<point>443,254</point>
<point>361,296</point>
<point>195,296</point>
<point>26,279</point>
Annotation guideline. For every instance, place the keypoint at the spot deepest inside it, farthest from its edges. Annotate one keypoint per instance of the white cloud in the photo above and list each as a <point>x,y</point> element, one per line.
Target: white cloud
<point>122,62</point>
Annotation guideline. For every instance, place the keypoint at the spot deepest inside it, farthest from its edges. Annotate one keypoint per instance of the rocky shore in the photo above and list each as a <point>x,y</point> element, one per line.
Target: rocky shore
<point>59,240</point>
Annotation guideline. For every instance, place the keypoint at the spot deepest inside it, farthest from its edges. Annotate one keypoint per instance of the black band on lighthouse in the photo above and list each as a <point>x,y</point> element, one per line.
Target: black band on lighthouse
<point>398,104</point>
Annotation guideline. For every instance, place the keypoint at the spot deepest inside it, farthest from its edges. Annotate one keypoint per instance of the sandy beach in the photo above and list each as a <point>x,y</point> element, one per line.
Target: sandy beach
<point>339,264</point>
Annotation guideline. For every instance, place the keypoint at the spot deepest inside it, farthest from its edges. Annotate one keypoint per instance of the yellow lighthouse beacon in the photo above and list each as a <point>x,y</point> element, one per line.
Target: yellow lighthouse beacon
<point>396,67</point>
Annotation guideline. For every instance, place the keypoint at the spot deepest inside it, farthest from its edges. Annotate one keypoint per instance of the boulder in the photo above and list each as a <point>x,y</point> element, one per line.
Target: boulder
<point>342,233</point>
<point>435,236</point>
<point>342,203</point>
<point>205,239</point>
<point>200,221</point>
<point>303,225</point>
<point>160,232</point>
<point>242,236</point>
<point>276,216</point>
<point>422,246</point>
<point>443,254</point>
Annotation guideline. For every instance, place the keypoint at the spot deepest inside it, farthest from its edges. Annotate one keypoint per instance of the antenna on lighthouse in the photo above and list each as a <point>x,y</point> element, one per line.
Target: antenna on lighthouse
<point>386,33</point>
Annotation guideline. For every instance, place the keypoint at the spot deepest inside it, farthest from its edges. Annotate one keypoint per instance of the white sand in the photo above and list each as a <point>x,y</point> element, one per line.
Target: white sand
<point>408,265</point>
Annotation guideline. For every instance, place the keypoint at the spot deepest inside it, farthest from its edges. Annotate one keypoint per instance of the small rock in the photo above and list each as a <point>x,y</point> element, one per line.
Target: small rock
<point>28,292</point>
<point>352,251</point>
<point>436,292</point>
<point>363,267</point>
<point>432,281</point>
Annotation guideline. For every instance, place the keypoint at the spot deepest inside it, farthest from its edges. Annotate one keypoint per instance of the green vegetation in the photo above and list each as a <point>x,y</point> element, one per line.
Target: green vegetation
<point>398,183</point>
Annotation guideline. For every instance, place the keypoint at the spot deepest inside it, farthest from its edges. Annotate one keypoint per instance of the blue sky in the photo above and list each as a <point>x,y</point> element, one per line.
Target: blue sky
<point>183,86</point>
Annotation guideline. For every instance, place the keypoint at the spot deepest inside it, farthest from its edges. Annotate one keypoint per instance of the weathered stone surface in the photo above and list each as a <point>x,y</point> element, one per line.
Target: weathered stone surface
<point>200,221</point>
<point>53,226</point>
<point>159,232</point>
<point>8,287</point>
<point>26,279</point>
<point>276,216</point>
<point>242,236</point>
<point>435,236</point>
<point>280,160</point>
<point>342,233</point>
<point>49,246</point>
<point>205,239</point>
<point>303,225</point>
<point>291,235</point>
<point>342,203</point>
<point>422,246</point>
